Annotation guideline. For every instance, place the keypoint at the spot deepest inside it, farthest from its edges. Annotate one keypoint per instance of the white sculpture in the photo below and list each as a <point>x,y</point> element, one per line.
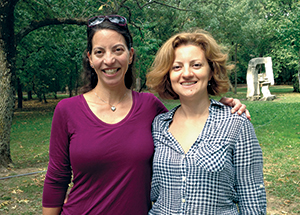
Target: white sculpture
<point>263,80</point>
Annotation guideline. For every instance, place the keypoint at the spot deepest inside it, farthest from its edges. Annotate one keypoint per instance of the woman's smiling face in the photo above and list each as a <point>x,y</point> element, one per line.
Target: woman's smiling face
<point>190,72</point>
<point>110,57</point>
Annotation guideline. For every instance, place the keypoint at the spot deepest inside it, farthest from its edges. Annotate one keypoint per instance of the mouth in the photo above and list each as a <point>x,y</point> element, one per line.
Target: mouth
<point>110,71</point>
<point>188,83</point>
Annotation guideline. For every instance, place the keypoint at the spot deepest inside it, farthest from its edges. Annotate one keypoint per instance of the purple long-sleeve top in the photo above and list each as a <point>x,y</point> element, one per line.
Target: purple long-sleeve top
<point>111,163</point>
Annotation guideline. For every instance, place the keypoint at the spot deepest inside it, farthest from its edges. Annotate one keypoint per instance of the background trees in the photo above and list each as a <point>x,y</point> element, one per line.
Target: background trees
<point>42,41</point>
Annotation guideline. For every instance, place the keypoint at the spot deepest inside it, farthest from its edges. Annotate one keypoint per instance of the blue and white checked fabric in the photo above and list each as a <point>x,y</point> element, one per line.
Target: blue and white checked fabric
<point>222,173</point>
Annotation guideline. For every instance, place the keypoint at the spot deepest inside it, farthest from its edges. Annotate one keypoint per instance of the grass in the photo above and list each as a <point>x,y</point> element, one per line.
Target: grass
<point>276,125</point>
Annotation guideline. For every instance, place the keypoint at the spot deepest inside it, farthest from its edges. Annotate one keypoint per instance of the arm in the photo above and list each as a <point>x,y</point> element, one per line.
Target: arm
<point>237,106</point>
<point>248,164</point>
<point>59,171</point>
<point>51,211</point>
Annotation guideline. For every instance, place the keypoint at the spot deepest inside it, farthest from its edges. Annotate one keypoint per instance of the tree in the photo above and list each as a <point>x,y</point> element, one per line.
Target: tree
<point>282,37</point>
<point>49,59</point>
<point>8,43</point>
<point>291,30</point>
<point>7,54</point>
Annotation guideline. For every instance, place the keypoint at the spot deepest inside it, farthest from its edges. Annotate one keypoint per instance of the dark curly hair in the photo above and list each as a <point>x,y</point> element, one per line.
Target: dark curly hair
<point>89,76</point>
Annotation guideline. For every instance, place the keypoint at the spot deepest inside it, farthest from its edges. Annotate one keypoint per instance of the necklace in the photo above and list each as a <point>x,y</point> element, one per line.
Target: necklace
<point>112,107</point>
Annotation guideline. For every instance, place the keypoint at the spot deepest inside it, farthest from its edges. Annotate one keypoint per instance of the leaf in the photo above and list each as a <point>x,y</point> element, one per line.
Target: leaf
<point>101,7</point>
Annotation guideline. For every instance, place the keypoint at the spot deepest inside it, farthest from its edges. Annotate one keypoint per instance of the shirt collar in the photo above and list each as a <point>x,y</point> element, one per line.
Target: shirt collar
<point>213,104</point>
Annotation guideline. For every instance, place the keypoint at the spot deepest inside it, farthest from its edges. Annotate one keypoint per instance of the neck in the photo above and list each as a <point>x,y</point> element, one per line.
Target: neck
<point>111,96</point>
<point>195,108</point>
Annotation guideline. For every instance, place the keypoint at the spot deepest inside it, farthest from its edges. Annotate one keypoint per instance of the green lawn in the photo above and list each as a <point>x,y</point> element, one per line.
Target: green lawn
<point>276,124</point>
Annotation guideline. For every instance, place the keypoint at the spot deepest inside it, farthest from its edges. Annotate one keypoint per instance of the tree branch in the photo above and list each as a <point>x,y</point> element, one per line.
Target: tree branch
<point>46,22</point>
<point>130,21</point>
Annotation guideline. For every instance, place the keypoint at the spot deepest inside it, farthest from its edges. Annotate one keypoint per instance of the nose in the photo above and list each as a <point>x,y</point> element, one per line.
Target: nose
<point>109,58</point>
<point>187,72</point>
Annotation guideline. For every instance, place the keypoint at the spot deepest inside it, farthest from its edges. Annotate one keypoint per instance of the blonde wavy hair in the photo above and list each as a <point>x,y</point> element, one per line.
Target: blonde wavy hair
<point>158,78</point>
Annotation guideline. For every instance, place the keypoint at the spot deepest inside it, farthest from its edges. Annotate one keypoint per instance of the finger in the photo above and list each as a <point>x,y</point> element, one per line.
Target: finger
<point>237,105</point>
<point>226,101</point>
<point>242,109</point>
<point>248,114</point>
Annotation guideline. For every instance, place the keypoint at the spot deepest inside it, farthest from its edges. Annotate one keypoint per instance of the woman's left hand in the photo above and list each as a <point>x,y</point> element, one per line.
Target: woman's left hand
<point>236,105</point>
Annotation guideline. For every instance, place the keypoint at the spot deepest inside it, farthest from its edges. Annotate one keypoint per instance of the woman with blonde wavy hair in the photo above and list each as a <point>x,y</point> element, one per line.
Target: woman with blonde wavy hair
<point>206,160</point>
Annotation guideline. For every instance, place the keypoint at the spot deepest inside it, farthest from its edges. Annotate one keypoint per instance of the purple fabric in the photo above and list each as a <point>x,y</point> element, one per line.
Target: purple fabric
<point>111,163</point>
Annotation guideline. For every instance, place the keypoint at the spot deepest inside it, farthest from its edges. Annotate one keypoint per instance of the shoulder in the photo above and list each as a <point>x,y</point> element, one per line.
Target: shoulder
<point>164,119</point>
<point>226,122</point>
<point>231,126</point>
<point>223,112</point>
<point>148,100</point>
<point>69,103</point>
<point>145,96</point>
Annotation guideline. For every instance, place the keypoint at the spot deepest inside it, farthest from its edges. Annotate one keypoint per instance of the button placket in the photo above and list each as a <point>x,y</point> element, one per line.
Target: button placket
<point>183,182</point>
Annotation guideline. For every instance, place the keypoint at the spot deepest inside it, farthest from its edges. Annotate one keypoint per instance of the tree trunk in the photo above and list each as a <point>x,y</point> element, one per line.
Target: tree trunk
<point>70,86</point>
<point>7,68</point>
<point>77,79</point>
<point>29,95</point>
<point>44,98</point>
<point>20,94</point>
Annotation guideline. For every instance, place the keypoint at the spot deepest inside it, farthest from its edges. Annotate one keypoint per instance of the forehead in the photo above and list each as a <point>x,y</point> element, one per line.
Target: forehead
<point>107,36</point>
<point>189,51</point>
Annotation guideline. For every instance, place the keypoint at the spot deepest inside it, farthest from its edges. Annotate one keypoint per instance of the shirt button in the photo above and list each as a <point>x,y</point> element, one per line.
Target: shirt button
<point>183,200</point>
<point>261,186</point>
<point>183,178</point>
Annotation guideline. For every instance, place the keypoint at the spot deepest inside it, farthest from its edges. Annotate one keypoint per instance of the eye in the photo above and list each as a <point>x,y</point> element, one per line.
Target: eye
<point>197,65</point>
<point>119,50</point>
<point>176,67</point>
<point>98,52</point>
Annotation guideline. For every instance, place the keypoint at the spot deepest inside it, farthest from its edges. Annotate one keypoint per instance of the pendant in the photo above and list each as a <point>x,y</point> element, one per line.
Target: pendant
<point>113,108</point>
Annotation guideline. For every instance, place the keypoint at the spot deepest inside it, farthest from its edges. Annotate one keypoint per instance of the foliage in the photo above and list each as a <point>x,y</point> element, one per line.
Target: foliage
<point>284,45</point>
<point>46,57</point>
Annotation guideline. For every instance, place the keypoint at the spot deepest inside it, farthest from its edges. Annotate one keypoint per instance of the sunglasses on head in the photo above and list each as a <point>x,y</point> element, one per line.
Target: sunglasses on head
<point>116,19</point>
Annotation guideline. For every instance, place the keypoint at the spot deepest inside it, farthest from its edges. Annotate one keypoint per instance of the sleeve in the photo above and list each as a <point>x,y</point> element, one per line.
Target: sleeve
<point>59,171</point>
<point>248,163</point>
<point>160,107</point>
<point>155,176</point>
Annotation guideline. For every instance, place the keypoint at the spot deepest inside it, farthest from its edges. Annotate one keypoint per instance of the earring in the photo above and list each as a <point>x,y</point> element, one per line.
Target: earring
<point>92,66</point>
<point>209,83</point>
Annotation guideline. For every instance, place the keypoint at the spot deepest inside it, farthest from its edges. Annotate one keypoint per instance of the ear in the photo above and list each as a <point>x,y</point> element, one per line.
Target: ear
<point>90,59</point>
<point>131,54</point>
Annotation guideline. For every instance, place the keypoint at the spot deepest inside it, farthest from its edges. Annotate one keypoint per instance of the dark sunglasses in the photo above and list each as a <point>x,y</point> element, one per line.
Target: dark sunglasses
<point>116,19</point>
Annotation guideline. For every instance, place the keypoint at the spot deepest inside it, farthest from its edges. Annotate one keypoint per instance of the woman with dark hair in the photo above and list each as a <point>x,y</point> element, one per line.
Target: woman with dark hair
<point>102,138</point>
<point>206,160</point>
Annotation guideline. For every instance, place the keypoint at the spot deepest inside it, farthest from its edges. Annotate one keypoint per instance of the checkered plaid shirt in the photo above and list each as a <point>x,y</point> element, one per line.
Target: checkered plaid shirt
<point>222,173</point>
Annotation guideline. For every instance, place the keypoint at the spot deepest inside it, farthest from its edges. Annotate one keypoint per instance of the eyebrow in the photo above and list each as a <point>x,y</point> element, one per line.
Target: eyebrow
<point>120,44</point>
<point>192,61</point>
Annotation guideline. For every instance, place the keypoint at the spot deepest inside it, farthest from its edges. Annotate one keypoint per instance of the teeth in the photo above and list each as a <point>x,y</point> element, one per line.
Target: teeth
<point>110,71</point>
<point>187,83</point>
